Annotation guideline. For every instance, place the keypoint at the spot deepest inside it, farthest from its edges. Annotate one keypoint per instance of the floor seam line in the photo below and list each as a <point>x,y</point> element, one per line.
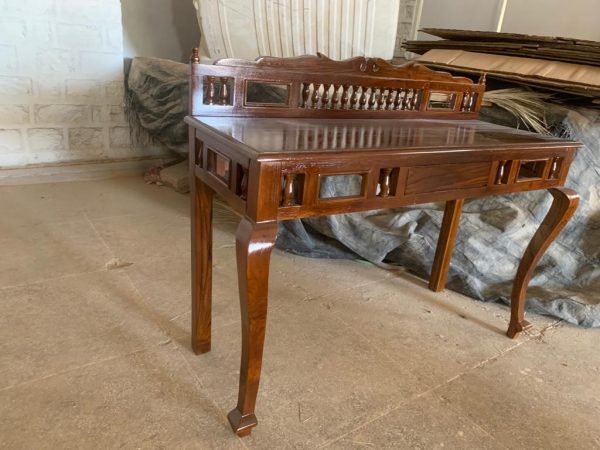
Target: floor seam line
<point>434,388</point>
<point>330,294</point>
<point>98,235</point>
<point>72,369</point>
<point>46,280</point>
<point>159,320</point>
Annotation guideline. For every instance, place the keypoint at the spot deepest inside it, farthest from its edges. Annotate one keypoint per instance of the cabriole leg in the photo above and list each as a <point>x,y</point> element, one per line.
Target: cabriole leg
<point>562,209</point>
<point>254,242</point>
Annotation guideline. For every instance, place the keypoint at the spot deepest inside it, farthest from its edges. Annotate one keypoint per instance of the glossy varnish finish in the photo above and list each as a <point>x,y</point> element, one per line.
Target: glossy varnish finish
<point>254,242</point>
<point>563,207</point>
<point>201,210</point>
<point>285,137</point>
<point>404,135</point>
<point>443,253</point>
<point>310,86</point>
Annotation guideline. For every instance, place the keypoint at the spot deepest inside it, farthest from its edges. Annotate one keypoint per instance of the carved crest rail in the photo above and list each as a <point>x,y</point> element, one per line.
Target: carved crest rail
<point>271,87</point>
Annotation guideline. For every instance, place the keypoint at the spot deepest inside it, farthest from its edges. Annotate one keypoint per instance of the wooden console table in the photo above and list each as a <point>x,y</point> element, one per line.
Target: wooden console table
<point>265,135</point>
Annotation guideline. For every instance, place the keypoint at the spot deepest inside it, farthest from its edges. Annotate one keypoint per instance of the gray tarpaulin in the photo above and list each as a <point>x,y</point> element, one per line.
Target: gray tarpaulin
<point>493,232</point>
<point>492,237</point>
<point>157,100</point>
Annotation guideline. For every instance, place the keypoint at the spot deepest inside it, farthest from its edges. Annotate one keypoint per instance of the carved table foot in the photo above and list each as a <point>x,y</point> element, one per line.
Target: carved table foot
<point>515,328</point>
<point>241,425</point>
<point>254,242</point>
<point>562,209</point>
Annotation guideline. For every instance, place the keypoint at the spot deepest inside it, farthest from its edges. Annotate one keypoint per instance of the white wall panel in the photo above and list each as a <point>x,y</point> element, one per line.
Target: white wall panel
<point>337,28</point>
<point>576,18</point>
<point>458,14</point>
<point>159,28</point>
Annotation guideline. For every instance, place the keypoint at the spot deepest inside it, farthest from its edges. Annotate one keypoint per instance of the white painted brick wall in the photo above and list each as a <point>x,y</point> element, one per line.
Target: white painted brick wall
<point>15,87</point>
<point>46,139</point>
<point>14,114</point>
<point>61,83</point>
<point>10,140</point>
<point>87,139</point>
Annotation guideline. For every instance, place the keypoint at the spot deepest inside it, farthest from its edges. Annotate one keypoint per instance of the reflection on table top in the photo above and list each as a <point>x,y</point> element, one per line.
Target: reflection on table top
<point>297,135</point>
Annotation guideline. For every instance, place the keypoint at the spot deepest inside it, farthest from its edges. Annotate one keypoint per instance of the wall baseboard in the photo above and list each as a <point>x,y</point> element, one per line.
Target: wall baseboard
<point>78,171</point>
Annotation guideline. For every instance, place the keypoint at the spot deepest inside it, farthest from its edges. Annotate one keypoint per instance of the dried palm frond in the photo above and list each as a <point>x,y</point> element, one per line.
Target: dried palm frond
<point>528,106</point>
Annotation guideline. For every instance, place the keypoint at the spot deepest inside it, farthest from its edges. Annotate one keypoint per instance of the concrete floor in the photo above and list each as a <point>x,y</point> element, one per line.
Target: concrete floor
<point>356,357</point>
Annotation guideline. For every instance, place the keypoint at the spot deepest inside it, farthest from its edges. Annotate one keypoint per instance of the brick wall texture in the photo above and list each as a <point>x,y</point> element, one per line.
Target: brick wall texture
<point>61,83</point>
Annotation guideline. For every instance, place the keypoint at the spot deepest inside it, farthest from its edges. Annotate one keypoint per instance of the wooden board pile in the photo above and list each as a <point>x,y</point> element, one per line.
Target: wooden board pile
<point>543,47</point>
<point>570,66</point>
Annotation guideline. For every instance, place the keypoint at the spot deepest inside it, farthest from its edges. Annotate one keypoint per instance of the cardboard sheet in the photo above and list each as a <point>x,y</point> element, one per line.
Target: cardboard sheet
<point>577,78</point>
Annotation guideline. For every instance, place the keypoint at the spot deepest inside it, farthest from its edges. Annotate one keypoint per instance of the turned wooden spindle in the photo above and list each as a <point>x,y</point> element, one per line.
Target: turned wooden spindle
<point>390,100</point>
<point>381,99</point>
<point>325,96</point>
<point>554,168</point>
<point>195,57</point>
<point>406,100</point>
<point>244,184</point>
<point>354,97</point>
<point>465,101</point>
<point>210,90</point>
<point>500,173</point>
<point>482,78</point>
<point>224,93</point>
<point>345,98</point>
<point>289,197</point>
<point>373,99</point>
<point>336,96</point>
<point>398,100</point>
<point>415,100</point>
<point>198,153</point>
<point>385,184</point>
<point>363,98</point>
<point>471,102</point>
<point>305,94</point>
<point>315,95</point>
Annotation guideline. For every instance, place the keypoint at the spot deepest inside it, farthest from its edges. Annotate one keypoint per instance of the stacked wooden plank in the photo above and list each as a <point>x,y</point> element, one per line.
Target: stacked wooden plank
<point>543,47</point>
<point>560,64</point>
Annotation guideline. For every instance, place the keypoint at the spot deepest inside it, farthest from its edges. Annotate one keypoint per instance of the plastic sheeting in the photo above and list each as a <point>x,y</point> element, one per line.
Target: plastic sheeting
<point>157,100</point>
<point>493,234</point>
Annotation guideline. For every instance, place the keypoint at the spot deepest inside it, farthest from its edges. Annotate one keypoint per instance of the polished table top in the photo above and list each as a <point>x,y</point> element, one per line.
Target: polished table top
<point>297,135</point>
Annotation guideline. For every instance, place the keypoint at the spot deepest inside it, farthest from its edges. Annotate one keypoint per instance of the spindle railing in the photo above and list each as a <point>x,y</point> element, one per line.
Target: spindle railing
<point>358,87</point>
